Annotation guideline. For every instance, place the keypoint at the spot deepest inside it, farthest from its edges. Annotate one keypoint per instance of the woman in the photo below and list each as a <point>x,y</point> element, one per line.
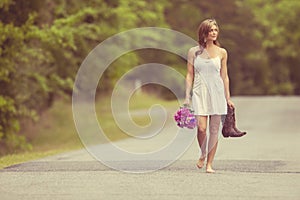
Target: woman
<point>208,81</point>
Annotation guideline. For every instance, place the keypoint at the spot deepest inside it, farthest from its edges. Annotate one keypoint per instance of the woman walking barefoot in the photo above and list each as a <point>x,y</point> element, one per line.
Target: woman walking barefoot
<point>207,80</point>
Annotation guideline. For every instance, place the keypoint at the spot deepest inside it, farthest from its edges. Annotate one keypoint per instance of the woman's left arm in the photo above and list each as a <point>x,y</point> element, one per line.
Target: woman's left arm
<point>224,75</point>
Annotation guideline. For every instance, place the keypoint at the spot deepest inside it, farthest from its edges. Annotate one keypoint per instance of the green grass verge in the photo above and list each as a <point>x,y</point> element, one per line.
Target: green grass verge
<point>55,131</point>
<point>13,159</point>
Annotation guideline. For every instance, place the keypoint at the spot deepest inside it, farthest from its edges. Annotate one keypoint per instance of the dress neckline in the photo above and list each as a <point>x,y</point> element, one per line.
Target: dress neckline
<point>208,58</point>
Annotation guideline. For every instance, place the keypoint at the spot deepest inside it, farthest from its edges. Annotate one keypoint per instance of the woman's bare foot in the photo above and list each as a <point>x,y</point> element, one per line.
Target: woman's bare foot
<point>200,163</point>
<point>209,169</point>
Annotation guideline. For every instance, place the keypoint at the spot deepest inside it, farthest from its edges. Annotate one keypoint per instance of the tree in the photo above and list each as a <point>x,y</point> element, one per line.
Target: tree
<point>42,45</point>
<point>280,36</point>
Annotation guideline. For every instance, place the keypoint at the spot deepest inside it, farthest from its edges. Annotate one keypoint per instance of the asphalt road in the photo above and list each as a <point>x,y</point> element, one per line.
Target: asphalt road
<point>264,164</point>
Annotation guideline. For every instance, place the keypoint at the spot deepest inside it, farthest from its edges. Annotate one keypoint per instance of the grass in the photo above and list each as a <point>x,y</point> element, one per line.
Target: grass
<point>55,131</point>
<point>13,159</point>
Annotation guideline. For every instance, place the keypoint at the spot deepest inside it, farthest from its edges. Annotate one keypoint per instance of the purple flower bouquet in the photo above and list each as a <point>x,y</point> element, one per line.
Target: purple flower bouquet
<point>185,117</point>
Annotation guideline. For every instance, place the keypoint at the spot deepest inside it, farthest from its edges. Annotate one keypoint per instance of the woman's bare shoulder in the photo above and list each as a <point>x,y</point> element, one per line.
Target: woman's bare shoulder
<point>223,52</point>
<point>194,49</point>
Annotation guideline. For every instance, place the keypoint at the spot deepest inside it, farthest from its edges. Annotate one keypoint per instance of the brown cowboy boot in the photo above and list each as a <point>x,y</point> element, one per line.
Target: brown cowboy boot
<point>234,124</point>
<point>229,128</point>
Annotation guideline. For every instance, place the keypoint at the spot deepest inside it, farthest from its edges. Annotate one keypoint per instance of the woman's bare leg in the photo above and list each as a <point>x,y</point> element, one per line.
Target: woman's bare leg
<point>202,139</point>
<point>214,126</point>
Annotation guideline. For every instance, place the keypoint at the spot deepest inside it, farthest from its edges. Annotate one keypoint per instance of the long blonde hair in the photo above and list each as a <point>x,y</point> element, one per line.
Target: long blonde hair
<point>203,31</point>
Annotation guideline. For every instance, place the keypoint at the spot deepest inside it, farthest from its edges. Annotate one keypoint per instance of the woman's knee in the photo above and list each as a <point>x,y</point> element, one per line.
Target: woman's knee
<point>201,130</point>
<point>214,131</point>
<point>202,125</point>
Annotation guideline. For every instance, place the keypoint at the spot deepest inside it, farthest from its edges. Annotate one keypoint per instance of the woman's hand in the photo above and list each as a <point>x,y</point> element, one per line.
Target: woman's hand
<point>187,101</point>
<point>230,103</point>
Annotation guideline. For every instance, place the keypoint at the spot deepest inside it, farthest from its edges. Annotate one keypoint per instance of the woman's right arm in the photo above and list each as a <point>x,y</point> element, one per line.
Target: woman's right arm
<point>189,76</point>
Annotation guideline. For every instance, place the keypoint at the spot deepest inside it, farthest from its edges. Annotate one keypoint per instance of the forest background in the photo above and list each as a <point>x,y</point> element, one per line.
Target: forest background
<point>43,43</point>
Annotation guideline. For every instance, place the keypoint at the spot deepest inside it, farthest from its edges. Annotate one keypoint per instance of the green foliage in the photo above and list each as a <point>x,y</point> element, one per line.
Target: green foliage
<point>28,72</point>
<point>43,43</point>
<point>279,34</point>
